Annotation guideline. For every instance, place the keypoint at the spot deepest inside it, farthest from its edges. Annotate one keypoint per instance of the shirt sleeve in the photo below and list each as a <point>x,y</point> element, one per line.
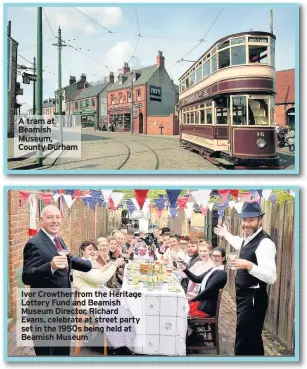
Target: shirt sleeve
<point>266,268</point>
<point>235,241</point>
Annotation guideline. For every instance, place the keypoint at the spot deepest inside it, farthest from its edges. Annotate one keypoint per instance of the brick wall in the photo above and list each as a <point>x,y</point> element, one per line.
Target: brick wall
<point>79,224</point>
<point>281,113</point>
<point>170,124</point>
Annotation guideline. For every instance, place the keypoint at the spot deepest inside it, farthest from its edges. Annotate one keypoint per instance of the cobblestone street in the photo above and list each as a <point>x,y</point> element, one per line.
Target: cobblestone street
<point>227,324</point>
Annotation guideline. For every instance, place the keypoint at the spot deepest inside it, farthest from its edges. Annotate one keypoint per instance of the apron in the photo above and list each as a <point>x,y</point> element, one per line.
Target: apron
<point>251,308</point>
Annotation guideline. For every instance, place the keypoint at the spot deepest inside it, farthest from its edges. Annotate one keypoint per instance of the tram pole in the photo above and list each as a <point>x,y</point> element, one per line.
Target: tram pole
<point>271,20</point>
<point>39,81</point>
<point>131,118</point>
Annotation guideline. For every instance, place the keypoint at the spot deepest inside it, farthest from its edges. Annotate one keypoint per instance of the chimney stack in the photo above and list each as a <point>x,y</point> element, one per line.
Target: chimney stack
<point>160,59</point>
<point>72,79</point>
<point>83,77</point>
<point>111,77</point>
<point>125,68</point>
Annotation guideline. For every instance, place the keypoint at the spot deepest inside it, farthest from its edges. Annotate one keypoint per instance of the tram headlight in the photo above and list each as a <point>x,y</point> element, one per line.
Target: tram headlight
<point>261,143</point>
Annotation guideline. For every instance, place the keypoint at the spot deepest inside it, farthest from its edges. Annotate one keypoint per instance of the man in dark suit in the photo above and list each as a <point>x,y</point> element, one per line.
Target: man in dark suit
<point>44,267</point>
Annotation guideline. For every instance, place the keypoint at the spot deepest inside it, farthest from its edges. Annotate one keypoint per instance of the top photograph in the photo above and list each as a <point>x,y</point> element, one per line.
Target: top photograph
<point>151,88</point>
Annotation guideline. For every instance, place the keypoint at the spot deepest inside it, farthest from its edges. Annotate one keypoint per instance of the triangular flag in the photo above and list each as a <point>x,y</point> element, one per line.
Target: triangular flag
<point>196,208</point>
<point>220,208</point>
<point>245,196</point>
<point>173,212</point>
<point>201,197</point>
<point>210,206</point>
<point>56,197</point>
<point>111,204</point>
<point>117,198</point>
<point>172,196</point>
<point>61,206</point>
<point>292,193</point>
<point>224,194</point>
<point>135,203</point>
<point>33,206</point>
<point>235,194</point>
<point>46,198</point>
<point>182,202</point>
<point>145,209</point>
<point>266,194</point>
<point>140,196</point>
<point>69,201</point>
<point>272,198</point>
<point>189,209</point>
<point>259,192</point>
<point>24,195</point>
<point>231,204</point>
<point>160,203</point>
<point>204,210</point>
<point>238,206</point>
<point>106,195</point>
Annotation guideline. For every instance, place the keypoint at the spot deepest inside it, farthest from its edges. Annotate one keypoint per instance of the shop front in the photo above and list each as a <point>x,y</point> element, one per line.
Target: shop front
<point>119,119</point>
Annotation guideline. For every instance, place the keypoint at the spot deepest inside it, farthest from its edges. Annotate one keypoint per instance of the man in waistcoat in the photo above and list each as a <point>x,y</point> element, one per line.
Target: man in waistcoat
<point>256,268</point>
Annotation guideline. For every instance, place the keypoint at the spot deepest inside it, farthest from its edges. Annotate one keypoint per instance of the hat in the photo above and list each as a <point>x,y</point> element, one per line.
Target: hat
<point>251,210</point>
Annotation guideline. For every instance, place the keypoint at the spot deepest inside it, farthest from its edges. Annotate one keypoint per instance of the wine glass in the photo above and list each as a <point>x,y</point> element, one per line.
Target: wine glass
<point>64,253</point>
<point>232,256</point>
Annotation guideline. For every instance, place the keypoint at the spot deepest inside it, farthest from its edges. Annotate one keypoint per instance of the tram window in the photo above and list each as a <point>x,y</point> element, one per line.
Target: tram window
<point>221,116</point>
<point>188,118</point>
<point>272,56</point>
<point>192,117</point>
<point>209,116</point>
<point>223,45</point>
<point>239,110</point>
<point>202,116</point>
<point>238,55</point>
<point>239,40</point>
<point>187,83</point>
<point>199,74</point>
<point>214,63</point>
<point>206,69</point>
<point>258,54</point>
<point>258,112</point>
<point>192,79</point>
<point>272,42</point>
<point>224,58</point>
<point>197,117</point>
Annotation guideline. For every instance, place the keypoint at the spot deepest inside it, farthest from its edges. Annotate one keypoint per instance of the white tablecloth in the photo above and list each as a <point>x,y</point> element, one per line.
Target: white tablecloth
<point>163,320</point>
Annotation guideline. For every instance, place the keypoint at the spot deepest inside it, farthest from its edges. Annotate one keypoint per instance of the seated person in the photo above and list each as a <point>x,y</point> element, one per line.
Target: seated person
<point>204,304</point>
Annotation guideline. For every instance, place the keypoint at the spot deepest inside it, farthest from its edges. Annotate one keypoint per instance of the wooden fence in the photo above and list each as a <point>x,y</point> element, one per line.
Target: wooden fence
<point>278,222</point>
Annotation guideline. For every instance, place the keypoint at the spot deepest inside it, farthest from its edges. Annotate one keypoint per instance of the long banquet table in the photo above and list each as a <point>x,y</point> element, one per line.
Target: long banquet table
<point>163,318</point>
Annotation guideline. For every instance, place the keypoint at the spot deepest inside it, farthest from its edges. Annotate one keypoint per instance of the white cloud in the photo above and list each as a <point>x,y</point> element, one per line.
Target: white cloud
<point>121,52</point>
<point>108,16</point>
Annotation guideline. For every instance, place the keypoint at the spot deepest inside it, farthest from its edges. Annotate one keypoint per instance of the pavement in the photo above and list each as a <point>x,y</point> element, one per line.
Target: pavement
<point>227,324</point>
<point>124,151</point>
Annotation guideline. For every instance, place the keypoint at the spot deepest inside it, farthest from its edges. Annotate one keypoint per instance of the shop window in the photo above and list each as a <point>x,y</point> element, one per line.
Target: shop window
<point>239,110</point>
<point>238,55</point>
<point>199,74</point>
<point>206,69</point>
<point>224,58</point>
<point>258,54</point>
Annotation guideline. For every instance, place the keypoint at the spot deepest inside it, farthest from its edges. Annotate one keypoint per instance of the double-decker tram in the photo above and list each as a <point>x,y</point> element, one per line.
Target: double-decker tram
<point>226,102</point>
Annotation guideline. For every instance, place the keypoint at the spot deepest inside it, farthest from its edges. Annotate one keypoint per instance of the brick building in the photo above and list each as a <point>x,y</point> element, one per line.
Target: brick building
<point>79,224</point>
<point>285,98</point>
<point>154,100</point>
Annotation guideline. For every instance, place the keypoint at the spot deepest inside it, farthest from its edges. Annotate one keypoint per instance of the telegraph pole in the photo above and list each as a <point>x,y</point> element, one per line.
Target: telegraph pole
<point>59,45</point>
<point>131,123</point>
<point>39,81</point>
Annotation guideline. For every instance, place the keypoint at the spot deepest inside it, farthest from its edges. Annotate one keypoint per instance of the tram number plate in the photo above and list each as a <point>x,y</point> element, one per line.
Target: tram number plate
<point>261,134</point>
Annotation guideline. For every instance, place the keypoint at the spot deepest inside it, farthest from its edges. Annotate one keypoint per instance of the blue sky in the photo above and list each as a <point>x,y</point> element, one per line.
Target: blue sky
<point>173,29</point>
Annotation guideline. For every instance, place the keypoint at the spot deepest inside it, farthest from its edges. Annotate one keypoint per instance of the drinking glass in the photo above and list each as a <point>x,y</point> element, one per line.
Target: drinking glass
<point>64,253</point>
<point>232,256</point>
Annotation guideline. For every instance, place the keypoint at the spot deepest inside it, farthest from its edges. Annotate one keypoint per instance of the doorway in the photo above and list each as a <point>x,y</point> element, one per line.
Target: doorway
<point>141,128</point>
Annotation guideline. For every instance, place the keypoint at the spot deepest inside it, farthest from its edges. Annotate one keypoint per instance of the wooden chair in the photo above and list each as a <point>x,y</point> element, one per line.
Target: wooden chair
<point>205,327</point>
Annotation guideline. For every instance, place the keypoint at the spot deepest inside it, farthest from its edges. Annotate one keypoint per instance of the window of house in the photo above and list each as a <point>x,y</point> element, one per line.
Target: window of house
<point>224,58</point>
<point>120,98</point>
<point>138,95</point>
<point>93,102</point>
<point>76,105</point>
<point>238,55</point>
<point>112,100</point>
<point>129,96</point>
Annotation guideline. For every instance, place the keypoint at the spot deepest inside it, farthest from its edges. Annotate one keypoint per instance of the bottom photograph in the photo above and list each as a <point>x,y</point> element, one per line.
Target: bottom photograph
<point>193,274</point>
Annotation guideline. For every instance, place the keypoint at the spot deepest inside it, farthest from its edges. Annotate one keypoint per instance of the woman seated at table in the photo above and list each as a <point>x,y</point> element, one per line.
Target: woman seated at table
<point>103,251</point>
<point>98,275</point>
<point>204,304</point>
<point>200,267</point>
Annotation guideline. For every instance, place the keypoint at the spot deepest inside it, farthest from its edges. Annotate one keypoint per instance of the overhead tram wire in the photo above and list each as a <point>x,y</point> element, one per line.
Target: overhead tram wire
<point>138,39</point>
<point>49,23</point>
<point>93,20</point>
<point>200,41</point>
<point>44,70</point>
<point>31,47</point>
